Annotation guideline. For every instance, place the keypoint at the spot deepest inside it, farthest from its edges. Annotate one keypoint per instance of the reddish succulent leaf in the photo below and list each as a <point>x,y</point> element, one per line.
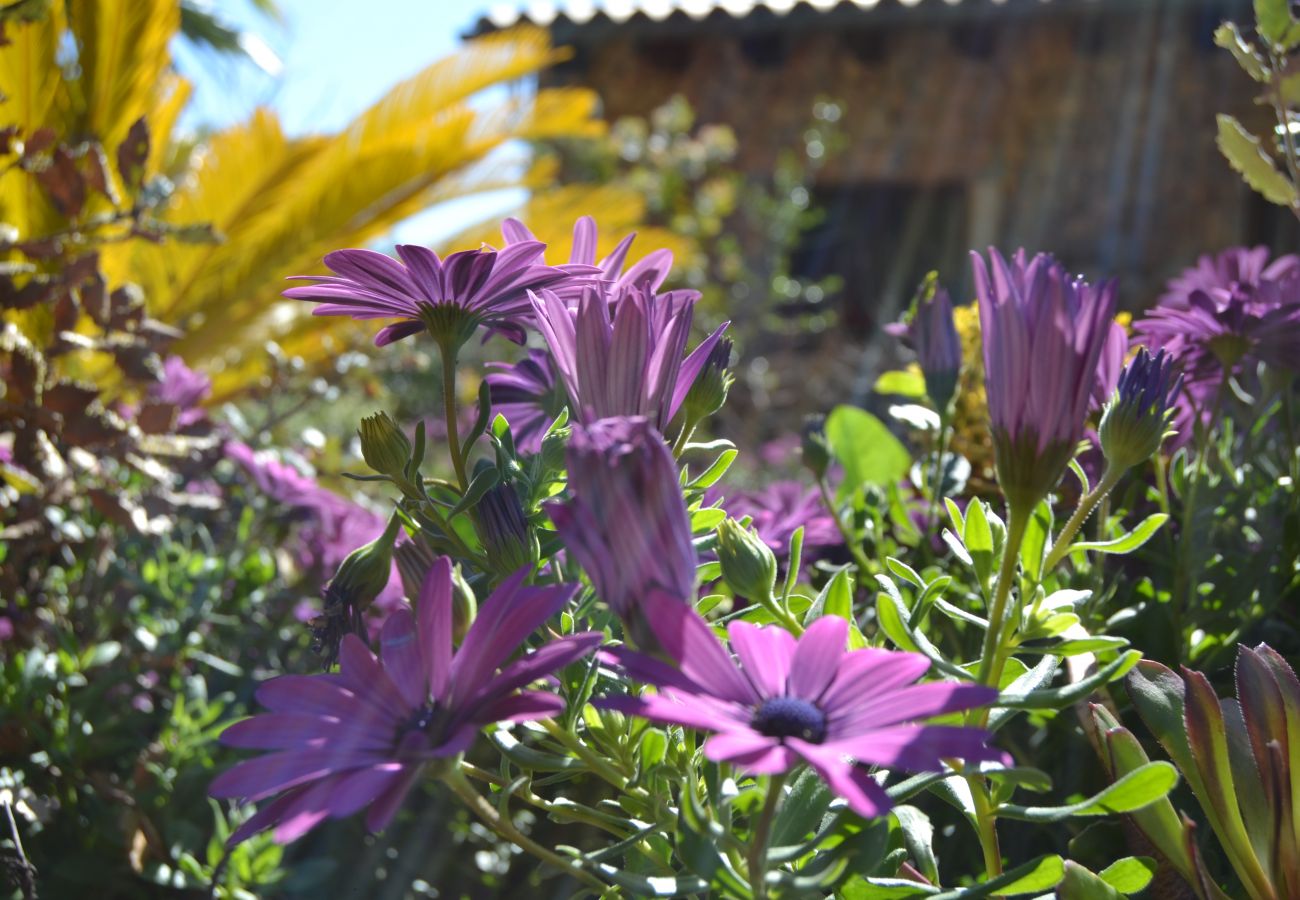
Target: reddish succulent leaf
<point>1289,687</point>
<point>1157,692</point>
<point>1249,782</point>
<point>64,183</point>
<point>69,397</point>
<point>132,154</point>
<point>38,142</point>
<point>157,418</point>
<point>97,174</point>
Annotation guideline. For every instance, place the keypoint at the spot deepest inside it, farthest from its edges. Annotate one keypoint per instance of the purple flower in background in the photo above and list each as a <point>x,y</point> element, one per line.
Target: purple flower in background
<point>1043,334</point>
<point>452,296</point>
<point>361,737</point>
<point>625,360</point>
<point>777,510</point>
<point>931,333</point>
<point>781,702</point>
<point>1236,267</point>
<point>649,272</point>
<point>1109,365</point>
<point>627,524</point>
<point>530,396</point>
<point>183,388</point>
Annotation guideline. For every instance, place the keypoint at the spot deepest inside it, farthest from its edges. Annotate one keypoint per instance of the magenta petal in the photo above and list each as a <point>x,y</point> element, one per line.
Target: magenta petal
<point>884,670</point>
<point>401,655</point>
<point>644,668</point>
<point>765,655</point>
<point>524,671</point>
<point>701,712</point>
<point>688,639</point>
<point>910,703</point>
<point>918,748</point>
<point>434,620</point>
<point>865,797</point>
<point>390,334</point>
<point>524,707</point>
<point>817,657</point>
<point>750,751</point>
<point>361,673</point>
<point>275,772</point>
<point>267,815</point>
<point>307,694</point>
<point>281,731</point>
<point>390,799</point>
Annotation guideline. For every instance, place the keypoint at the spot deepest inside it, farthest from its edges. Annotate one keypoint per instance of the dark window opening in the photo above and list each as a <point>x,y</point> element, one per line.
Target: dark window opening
<point>975,40</point>
<point>881,239</point>
<point>765,51</point>
<point>1274,226</point>
<point>868,47</point>
<point>670,54</point>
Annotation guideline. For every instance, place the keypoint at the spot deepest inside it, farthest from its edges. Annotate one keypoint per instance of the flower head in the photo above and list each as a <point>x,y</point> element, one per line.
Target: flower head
<point>649,272</point>
<point>449,297</point>
<point>529,395</point>
<point>777,510</point>
<point>184,388</point>
<point>929,330</point>
<point>361,737</point>
<point>624,358</point>
<point>781,702</point>
<point>1233,268</point>
<point>1043,334</point>
<point>507,539</point>
<point>627,524</point>
<point>1135,420</point>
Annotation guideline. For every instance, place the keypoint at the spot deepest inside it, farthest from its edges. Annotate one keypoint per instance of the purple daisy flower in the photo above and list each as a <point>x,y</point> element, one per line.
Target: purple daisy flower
<point>1235,267</point>
<point>782,702</point>
<point>931,333</point>
<point>184,388</point>
<point>777,510</point>
<point>650,272</point>
<point>528,393</point>
<point>361,737</point>
<point>450,297</point>
<point>624,359</point>
<point>1043,333</point>
<point>1109,365</point>
<point>620,471</point>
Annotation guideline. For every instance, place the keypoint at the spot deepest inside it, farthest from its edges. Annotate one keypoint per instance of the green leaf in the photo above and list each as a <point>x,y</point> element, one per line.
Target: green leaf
<point>1059,698</point>
<point>901,383</point>
<point>978,538</point>
<point>865,447</point>
<point>1255,165</point>
<point>1086,645</point>
<point>918,837</point>
<point>1130,874</point>
<point>1141,787</point>
<point>1273,20</point>
<point>719,467</point>
<point>802,809</point>
<point>1037,875</point>
<point>1038,535</point>
<point>485,479</point>
<point>1080,884</point>
<point>1126,543</point>
<point>835,599</point>
<point>1229,38</point>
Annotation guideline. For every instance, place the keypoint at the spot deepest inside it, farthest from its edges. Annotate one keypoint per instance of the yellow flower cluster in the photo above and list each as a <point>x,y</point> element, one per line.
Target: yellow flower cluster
<point>970,416</point>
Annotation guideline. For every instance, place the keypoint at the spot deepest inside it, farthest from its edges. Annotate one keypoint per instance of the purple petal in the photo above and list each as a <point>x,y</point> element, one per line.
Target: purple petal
<point>688,639</point>
<point>308,694</point>
<point>584,241</point>
<point>698,711</point>
<point>266,816</point>
<point>918,748</point>
<point>555,655</point>
<point>361,673</point>
<point>817,657</point>
<point>392,333</point>
<point>909,704</point>
<point>865,797</point>
<point>434,619</point>
<point>276,772</point>
<point>649,670</point>
<point>691,368</point>
<point>401,655</point>
<point>750,751</point>
<point>390,799</point>
<point>525,707</point>
<point>765,655</point>
<point>884,670</point>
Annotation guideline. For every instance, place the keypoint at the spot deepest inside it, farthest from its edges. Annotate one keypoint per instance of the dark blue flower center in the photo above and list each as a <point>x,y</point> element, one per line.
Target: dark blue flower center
<point>782,717</point>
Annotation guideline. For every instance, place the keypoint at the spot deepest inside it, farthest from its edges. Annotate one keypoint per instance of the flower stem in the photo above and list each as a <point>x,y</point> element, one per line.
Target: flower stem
<point>449,355</point>
<point>855,548</point>
<point>762,831</point>
<point>597,765</point>
<point>505,828</point>
<point>1061,547</point>
<point>989,671</point>
<point>936,480</point>
<point>988,826</point>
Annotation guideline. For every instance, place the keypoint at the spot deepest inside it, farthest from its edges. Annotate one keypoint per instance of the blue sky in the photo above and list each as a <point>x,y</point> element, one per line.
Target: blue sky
<point>337,56</point>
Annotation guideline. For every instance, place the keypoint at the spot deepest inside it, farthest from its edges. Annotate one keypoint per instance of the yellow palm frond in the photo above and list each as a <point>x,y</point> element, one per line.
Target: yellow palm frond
<point>123,55</point>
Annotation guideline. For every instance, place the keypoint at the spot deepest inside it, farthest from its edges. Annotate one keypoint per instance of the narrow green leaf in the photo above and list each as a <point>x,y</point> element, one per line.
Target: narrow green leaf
<point>1141,787</point>
<point>1126,543</point>
<point>480,484</point>
<point>1059,698</point>
<point>715,471</point>
<point>918,837</point>
<point>1273,19</point>
<point>978,539</point>
<point>1037,875</point>
<point>1245,154</point>
<point>835,599</point>
<point>1229,38</point>
<point>1038,537</point>
<point>1080,884</point>
<point>802,809</point>
<point>1130,874</point>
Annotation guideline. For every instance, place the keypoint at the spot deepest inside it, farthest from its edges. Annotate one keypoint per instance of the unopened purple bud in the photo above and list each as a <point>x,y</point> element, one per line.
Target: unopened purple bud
<point>1134,422</point>
<point>503,528</point>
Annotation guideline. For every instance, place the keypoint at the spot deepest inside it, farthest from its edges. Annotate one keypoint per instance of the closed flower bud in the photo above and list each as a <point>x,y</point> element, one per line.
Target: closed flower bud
<point>551,457</point>
<point>464,605</point>
<point>709,391</point>
<point>930,331</point>
<point>1134,421</point>
<point>815,449</point>
<point>384,446</point>
<point>748,564</point>
<point>504,531</point>
<point>366,570</point>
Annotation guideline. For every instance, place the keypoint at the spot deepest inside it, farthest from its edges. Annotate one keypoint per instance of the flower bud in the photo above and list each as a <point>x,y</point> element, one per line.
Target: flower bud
<point>709,391</point>
<point>504,531</point>
<point>384,446</point>
<point>464,605</point>
<point>1134,421</point>
<point>366,570</point>
<point>815,448</point>
<point>748,564</point>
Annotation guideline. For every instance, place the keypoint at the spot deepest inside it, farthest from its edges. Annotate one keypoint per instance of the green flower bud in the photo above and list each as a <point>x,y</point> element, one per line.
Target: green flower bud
<point>384,446</point>
<point>1133,423</point>
<point>815,448</point>
<point>464,605</point>
<point>709,391</point>
<point>748,564</point>
<point>366,570</point>
<point>504,531</point>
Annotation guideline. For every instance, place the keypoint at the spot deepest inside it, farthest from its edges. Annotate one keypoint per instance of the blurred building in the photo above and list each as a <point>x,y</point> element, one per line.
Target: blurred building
<point>1084,127</point>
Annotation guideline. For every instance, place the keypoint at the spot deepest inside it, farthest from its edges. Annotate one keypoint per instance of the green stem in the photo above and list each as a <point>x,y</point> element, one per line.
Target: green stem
<point>597,765</point>
<point>1187,570</point>
<point>987,822</point>
<point>505,828</point>
<point>1018,521</point>
<point>758,841</point>
<point>449,360</point>
<point>855,548</point>
<point>571,810</point>
<point>1061,548</point>
<point>684,437</point>
<point>936,482</point>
